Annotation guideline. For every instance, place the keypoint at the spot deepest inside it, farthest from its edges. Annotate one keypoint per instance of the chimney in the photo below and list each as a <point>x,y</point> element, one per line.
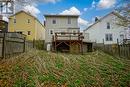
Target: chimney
<point>96,19</point>
<point>44,23</point>
<point>1,17</point>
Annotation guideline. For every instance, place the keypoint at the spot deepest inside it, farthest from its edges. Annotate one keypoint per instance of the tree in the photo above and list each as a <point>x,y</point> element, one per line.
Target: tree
<point>124,10</point>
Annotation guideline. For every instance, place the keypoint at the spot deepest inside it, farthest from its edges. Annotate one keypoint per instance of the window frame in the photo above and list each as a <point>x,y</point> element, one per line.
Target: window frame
<point>29,32</point>
<point>69,20</point>
<point>28,20</point>
<point>54,21</point>
<point>63,33</point>
<point>108,25</point>
<point>14,20</point>
<point>108,37</point>
<point>51,32</point>
<point>74,32</point>
<point>20,32</point>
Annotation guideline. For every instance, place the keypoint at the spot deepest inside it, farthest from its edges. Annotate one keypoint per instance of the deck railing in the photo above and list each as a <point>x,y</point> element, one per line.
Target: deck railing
<point>67,36</point>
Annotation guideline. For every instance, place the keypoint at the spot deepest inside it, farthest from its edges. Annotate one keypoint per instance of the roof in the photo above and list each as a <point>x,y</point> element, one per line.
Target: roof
<point>27,14</point>
<point>60,15</point>
<point>114,13</point>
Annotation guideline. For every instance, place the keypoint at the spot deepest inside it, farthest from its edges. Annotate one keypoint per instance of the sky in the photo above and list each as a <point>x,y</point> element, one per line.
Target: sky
<point>87,9</point>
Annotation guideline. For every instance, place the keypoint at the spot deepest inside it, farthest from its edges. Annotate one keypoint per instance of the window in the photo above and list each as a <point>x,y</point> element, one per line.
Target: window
<point>62,33</point>
<point>121,37</point>
<point>51,31</point>
<point>108,25</point>
<point>20,32</point>
<point>54,21</point>
<point>69,20</point>
<point>14,20</point>
<point>29,32</point>
<point>74,32</point>
<point>109,37</point>
<point>28,20</point>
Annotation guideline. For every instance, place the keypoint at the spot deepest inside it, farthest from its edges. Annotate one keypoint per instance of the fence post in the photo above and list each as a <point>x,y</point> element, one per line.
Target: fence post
<point>103,45</point>
<point>24,46</point>
<point>33,43</point>
<point>3,46</point>
<point>118,47</point>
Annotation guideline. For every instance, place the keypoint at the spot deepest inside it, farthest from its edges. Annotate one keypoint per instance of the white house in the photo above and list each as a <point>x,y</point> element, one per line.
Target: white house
<point>105,30</point>
<point>59,23</point>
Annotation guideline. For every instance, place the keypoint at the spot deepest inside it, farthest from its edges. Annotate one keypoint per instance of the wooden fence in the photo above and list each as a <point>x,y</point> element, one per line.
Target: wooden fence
<point>13,43</point>
<point>120,50</point>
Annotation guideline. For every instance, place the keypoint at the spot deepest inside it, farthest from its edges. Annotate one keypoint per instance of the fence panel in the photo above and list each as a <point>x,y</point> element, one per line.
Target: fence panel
<point>14,43</point>
<point>115,49</point>
<point>29,45</point>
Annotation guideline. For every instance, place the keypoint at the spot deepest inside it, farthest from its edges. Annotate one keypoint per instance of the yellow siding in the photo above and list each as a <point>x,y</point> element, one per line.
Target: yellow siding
<point>40,31</point>
<point>22,25</point>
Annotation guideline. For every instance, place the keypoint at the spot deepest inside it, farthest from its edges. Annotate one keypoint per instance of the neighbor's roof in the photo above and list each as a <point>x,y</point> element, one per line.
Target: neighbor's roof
<point>27,14</point>
<point>60,15</point>
<point>114,13</point>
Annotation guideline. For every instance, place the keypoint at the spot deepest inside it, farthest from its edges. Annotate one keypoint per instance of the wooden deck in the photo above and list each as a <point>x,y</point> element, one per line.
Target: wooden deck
<point>71,42</point>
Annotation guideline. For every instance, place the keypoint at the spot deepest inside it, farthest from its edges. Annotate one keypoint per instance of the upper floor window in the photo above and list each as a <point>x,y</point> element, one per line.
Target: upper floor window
<point>69,20</point>
<point>109,37</point>
<point>14,20</point>
<point>28,20</point>
<point>108,25</point>
<point>54,21</point>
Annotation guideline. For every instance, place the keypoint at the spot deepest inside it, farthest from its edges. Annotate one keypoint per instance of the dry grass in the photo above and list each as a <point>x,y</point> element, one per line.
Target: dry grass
<point>46,69</point>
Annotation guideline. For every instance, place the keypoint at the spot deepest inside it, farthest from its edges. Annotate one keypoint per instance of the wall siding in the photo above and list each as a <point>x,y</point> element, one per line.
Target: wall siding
<point>97,32</point>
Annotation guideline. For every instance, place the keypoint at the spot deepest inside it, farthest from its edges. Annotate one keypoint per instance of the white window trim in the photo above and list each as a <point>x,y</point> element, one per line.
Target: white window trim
<point>50,32</point>
<point>108,37</point>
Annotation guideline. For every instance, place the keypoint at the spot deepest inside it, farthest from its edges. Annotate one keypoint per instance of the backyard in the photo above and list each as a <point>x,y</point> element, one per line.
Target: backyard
<point>46,69</point>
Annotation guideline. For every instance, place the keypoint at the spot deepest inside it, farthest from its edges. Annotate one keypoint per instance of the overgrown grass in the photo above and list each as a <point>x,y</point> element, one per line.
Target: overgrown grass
<point>46,69</point>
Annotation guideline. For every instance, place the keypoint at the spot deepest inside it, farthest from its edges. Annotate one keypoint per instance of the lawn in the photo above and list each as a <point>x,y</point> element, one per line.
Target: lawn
<point>45,69</point>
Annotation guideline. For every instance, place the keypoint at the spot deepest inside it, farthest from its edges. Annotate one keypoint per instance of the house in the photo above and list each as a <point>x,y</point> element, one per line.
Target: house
<point>24,23</point>
<point>3,26</point>
<point>127,36</point>
<point>63,33</point>
<point>105,30</point>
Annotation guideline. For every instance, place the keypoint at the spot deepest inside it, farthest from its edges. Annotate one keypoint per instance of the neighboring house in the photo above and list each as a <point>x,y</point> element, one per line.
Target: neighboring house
<point>24,23</point>
<point>106,30</point>
<point>61,30</point>
<point>3,26</point>
<point>127,35</point>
